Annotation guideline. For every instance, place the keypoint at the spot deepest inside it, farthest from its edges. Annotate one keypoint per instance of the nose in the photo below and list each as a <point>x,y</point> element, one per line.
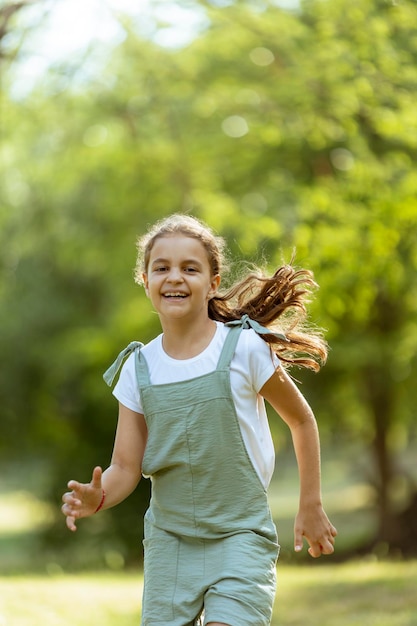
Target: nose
<point>175,275</point>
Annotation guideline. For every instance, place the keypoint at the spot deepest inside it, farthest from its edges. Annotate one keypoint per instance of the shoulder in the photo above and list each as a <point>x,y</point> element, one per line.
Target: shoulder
<point>148,350</point>
<point>249,341</point>
<point>254,358</point>
<point>153,346</point>
<point>253,346</point>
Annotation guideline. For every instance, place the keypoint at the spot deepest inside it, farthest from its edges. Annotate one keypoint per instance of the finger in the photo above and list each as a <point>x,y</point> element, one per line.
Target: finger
<point>96,480</point>
<point>330,539</point>
<point>315,550</point>
<point>298,539</point>
<point>68,510</point>
<point>70,521</point>
<point>333,531</point>
<point>70,516</point>
<point>327,547</point>
<point>70,498</point>
<point>74,486</point>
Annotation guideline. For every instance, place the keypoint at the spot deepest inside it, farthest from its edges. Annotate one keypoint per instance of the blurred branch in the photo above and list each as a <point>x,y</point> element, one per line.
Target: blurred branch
<point>6,13</point>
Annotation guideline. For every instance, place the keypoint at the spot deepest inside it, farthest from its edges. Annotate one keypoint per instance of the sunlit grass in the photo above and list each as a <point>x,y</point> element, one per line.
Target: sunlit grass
<point>354,594</point>
<point>64,600</point>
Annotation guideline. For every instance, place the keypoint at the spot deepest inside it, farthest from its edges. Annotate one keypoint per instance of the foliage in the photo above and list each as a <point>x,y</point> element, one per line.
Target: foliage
<point>280,128</point>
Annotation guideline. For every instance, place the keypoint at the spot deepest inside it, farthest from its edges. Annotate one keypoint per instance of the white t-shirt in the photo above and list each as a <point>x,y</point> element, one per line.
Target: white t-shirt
<point>252,365</point>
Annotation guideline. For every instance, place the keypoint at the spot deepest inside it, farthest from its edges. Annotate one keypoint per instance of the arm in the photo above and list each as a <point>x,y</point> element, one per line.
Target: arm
<point>119,479</point>
<point>311,521</point>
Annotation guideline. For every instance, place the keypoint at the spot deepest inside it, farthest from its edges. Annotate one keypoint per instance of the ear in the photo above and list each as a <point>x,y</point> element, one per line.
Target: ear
<point>145,282</point>
<point>214,285</point>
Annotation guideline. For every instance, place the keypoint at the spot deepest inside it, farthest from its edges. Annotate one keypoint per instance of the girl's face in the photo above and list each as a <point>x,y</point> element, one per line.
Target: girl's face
<point>178,279</point>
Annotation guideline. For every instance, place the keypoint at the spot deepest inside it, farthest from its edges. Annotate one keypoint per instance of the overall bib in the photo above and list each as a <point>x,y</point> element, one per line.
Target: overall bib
<point>210,541</point>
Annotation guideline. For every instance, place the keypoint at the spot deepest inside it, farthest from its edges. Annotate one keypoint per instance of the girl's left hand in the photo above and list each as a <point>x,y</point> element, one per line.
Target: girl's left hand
<point>313,524</point>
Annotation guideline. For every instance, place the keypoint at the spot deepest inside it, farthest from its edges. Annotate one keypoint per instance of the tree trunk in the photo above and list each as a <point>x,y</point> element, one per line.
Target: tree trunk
<point>381,403</point>
<point>382,399</point>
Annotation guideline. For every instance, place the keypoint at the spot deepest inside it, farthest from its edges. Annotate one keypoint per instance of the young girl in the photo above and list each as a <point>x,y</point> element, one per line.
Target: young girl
<point>192,417</point>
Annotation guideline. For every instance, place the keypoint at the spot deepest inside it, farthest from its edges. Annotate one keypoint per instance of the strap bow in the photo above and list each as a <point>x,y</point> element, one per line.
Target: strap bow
<point>246,322</point>
<point>110,374</point>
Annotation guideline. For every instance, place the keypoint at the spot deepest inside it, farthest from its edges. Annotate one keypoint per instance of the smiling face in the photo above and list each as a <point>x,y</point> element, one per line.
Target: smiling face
<point>178,278</point>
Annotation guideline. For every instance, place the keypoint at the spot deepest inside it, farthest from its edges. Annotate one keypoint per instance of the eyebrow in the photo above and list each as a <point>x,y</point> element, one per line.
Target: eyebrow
<point>184,262</point>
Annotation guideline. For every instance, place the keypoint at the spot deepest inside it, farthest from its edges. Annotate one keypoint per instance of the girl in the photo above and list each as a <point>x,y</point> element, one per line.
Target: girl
<point>192,417</point>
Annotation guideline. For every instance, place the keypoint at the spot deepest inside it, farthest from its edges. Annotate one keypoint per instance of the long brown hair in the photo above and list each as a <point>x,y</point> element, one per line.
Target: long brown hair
<point>277,302</point>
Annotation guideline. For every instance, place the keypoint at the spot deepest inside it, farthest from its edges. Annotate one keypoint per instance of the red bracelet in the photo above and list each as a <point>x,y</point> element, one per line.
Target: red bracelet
<point>100,506</point>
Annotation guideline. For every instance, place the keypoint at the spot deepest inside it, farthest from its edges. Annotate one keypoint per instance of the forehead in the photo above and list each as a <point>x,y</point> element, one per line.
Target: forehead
<point>176,247</point>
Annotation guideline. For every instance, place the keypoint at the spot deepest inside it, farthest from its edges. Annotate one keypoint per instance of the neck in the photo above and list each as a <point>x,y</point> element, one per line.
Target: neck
<point>182,340</point>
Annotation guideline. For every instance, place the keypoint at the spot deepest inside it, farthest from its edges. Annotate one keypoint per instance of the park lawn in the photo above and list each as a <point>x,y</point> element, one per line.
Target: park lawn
<point>357,593</point>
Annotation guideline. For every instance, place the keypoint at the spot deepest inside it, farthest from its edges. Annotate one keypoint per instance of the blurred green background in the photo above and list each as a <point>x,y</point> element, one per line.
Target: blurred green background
<point>283,125</point>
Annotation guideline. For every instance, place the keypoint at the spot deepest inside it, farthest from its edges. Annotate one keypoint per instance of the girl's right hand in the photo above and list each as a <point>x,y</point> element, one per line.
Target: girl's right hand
<point>83,499</point>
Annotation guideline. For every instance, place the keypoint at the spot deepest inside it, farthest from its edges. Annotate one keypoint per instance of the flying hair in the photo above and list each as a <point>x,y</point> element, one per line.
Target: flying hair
<point>278,302</point>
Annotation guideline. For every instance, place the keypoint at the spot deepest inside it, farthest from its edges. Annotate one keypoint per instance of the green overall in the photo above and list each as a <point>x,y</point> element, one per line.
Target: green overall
<point>210,541</point>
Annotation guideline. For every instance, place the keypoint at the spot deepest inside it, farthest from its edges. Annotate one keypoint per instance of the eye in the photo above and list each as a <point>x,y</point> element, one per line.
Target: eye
<point>192,269</point>
<point>160,268</point>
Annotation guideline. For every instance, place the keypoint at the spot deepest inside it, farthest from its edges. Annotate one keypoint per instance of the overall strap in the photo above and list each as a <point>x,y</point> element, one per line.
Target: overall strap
<point>142,371</point>
<point>110,374</point>
<point>229,348</point>
<point>236,326</point>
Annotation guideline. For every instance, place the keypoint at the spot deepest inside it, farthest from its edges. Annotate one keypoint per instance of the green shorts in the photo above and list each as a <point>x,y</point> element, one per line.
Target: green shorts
<point>232,579</point>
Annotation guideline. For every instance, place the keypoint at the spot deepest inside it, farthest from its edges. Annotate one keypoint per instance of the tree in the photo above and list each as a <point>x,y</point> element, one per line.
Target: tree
<point>330,110</point>
<point>280,128</point>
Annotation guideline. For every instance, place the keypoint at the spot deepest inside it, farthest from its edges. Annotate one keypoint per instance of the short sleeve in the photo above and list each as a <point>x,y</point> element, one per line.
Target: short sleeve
<point>262,361</point>
<point>126,389</point>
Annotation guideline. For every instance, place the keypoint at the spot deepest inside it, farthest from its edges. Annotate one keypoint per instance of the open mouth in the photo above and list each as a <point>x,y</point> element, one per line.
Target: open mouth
<point>175,295</point>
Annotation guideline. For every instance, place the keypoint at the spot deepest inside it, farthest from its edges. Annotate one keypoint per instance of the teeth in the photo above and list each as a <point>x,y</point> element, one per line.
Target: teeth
<point>175,295</point>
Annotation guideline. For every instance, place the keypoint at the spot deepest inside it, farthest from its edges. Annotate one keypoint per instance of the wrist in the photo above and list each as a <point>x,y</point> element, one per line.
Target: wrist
<point>101,504</point>
<point>310,502</point>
